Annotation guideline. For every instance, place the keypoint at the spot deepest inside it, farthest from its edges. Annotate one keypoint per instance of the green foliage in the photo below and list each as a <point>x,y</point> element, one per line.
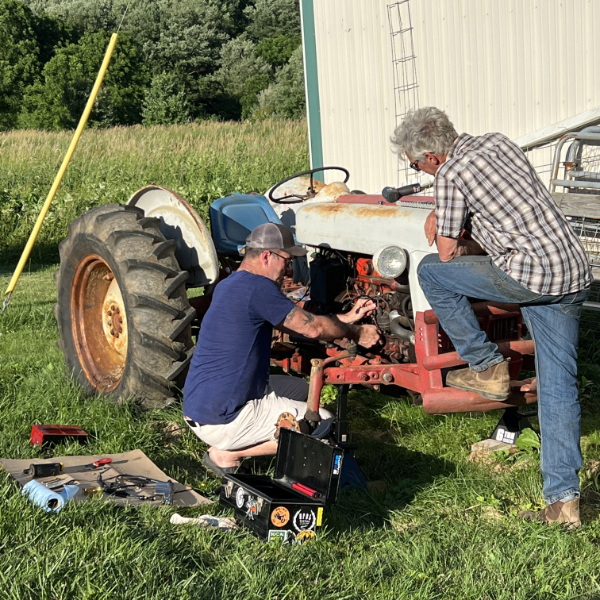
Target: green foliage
<point>252,87</point>
<point>209,48</point>
<point>238,64</point>
<point>529,442</point>
<point>83,15</point>
<point>201,161</point>
<point>271,18</point>
<point>165,101</point>
<point>69,76</point>
<point>19,54</point>
<point>277,51</point>
<point>187,38</point>
<point>285,97</point>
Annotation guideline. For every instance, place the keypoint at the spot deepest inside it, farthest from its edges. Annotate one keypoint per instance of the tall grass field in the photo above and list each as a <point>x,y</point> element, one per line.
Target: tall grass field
<point>437,523</point>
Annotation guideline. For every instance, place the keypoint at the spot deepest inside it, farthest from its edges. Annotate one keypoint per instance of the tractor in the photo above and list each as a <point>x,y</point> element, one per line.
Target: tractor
<point>135,281</point>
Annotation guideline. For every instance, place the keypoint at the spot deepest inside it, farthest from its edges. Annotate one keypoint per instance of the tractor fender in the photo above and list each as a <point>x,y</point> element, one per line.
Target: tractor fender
<point>179,221</point>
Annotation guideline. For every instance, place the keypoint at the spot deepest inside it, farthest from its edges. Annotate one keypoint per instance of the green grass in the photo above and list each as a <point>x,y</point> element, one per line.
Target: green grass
<point>201,162</point>
<point>439,527</point>
<point>443,527</point>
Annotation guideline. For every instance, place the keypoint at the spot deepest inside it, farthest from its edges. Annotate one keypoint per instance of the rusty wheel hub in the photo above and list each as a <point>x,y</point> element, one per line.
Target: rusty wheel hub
<point>99,323</point>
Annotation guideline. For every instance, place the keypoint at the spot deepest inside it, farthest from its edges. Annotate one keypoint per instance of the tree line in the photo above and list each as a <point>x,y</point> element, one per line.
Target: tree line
<point>176,61</point>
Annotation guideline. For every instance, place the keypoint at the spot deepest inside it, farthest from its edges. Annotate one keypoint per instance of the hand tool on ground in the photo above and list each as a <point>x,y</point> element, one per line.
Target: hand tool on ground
<point>98,463</point>
<point>54,485</point>
<point>43,469</point>
<point>124,482</point>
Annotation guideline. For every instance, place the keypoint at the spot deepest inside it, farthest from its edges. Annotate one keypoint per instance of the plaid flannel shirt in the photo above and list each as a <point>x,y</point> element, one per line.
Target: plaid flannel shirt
<point>513,217</point>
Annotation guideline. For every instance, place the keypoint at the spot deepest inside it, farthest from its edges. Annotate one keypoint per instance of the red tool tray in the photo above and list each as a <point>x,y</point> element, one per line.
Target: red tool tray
<point>42,434</point>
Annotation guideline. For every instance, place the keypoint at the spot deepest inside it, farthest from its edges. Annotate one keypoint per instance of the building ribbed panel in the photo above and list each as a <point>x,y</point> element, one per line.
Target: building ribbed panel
<point>514,66</point>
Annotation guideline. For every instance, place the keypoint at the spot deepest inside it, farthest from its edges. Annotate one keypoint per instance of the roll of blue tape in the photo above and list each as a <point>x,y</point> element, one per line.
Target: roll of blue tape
<point>46,499</point>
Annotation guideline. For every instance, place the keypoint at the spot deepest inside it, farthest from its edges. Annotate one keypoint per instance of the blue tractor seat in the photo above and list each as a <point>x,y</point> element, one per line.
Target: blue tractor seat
<point>233,217</point>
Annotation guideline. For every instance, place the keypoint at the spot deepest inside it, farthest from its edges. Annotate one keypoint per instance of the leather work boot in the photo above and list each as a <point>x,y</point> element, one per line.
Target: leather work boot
<point>566,513</point>
<point>287,420</point>
<point>493,383</point>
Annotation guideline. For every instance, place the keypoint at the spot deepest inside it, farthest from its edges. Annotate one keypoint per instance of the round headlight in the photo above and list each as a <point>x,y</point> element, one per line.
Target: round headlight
<point>390,261</point>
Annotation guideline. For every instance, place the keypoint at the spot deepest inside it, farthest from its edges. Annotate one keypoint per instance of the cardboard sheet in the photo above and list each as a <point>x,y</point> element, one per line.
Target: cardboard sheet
<point>130,463</point>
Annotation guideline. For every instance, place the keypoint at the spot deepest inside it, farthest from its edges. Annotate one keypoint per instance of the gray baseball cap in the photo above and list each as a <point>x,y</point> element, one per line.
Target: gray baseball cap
<point>271,236</point>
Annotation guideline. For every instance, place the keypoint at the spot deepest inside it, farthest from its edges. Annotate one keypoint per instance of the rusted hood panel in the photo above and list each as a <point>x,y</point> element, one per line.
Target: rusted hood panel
<point>362,228</point>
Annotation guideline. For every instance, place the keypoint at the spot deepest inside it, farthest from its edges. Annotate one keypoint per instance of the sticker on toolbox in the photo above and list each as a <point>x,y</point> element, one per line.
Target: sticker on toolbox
<point>337,462</point>
<point>280,516</point>
<point>319,516</point>
<point>305,536</point>
<point>252,506</point>
<point>239,497</point>
<point>280,535</point>
<point>304,519</point>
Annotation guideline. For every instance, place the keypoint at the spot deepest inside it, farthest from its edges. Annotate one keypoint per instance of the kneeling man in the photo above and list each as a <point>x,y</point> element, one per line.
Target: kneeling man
<point>230,401</point>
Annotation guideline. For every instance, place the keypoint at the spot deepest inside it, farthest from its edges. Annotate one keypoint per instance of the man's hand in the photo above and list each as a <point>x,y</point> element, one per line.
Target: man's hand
<point>431,228</point>
<point>363,307</point>
<point>328,328</point>
<point>529,385</point>
<point>368,336</point>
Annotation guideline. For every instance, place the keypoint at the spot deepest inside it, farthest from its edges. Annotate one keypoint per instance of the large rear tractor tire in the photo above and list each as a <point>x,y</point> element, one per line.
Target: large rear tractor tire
<point>122,310</point>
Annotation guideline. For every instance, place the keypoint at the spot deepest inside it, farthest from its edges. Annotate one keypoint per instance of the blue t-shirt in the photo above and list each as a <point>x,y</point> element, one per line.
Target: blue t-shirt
<point>230,365</point>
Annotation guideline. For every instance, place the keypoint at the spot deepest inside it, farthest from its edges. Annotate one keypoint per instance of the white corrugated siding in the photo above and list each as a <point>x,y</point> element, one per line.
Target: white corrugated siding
<point>514,66</point>
<point>355,74</point>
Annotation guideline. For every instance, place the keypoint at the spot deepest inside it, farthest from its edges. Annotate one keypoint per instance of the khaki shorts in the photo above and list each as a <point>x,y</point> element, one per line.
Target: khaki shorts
<point>256,422</point>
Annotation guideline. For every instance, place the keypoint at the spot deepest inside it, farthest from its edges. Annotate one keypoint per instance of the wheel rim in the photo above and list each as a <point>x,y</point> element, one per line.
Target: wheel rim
<point>99,323</point>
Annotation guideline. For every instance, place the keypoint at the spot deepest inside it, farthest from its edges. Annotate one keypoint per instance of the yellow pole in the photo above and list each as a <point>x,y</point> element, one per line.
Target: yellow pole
<point>61,172</point>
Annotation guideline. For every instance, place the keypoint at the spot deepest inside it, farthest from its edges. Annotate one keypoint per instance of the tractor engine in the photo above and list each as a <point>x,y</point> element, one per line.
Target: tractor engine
<point>338,280</point>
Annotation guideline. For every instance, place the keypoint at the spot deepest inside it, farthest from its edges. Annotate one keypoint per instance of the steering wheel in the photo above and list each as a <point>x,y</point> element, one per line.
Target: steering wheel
<point>311,190</point>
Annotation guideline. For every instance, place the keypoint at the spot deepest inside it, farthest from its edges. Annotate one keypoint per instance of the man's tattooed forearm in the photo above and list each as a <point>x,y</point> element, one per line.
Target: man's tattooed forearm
<point>290,315</point>
<point>308,318</point>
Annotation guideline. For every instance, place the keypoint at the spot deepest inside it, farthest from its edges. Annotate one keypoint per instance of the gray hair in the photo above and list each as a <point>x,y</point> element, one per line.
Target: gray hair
<point>424,130</point>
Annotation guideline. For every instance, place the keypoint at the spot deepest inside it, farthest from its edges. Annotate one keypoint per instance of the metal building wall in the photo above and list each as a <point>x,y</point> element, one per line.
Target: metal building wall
<point>514,66</point>
<point>357,104</point>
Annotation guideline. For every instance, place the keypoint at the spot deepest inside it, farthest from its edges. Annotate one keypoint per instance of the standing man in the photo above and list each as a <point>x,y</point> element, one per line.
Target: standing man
<point>229,400</point>
<point>524,252</point>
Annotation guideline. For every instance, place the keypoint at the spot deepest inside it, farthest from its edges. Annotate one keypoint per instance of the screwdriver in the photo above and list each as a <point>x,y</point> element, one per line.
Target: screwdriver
<point>98,463</point>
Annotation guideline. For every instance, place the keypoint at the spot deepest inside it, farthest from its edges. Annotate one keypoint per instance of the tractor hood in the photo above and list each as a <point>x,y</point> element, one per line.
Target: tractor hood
<point>365,228</point>
<point>362,228</point>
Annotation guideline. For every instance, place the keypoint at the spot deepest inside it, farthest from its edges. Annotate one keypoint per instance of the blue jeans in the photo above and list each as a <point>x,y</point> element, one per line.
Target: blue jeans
<point>553,322</point>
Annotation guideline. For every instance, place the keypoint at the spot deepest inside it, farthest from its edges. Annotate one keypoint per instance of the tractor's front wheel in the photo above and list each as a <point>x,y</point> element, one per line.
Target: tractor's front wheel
<point>122,310</point>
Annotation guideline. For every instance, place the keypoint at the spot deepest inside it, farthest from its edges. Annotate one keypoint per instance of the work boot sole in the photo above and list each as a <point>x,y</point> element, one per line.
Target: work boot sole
<point>482,393</point>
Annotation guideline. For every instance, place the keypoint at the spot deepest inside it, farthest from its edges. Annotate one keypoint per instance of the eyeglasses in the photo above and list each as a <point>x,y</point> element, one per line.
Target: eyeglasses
<point>414,165</point>
<point>288,261</point>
